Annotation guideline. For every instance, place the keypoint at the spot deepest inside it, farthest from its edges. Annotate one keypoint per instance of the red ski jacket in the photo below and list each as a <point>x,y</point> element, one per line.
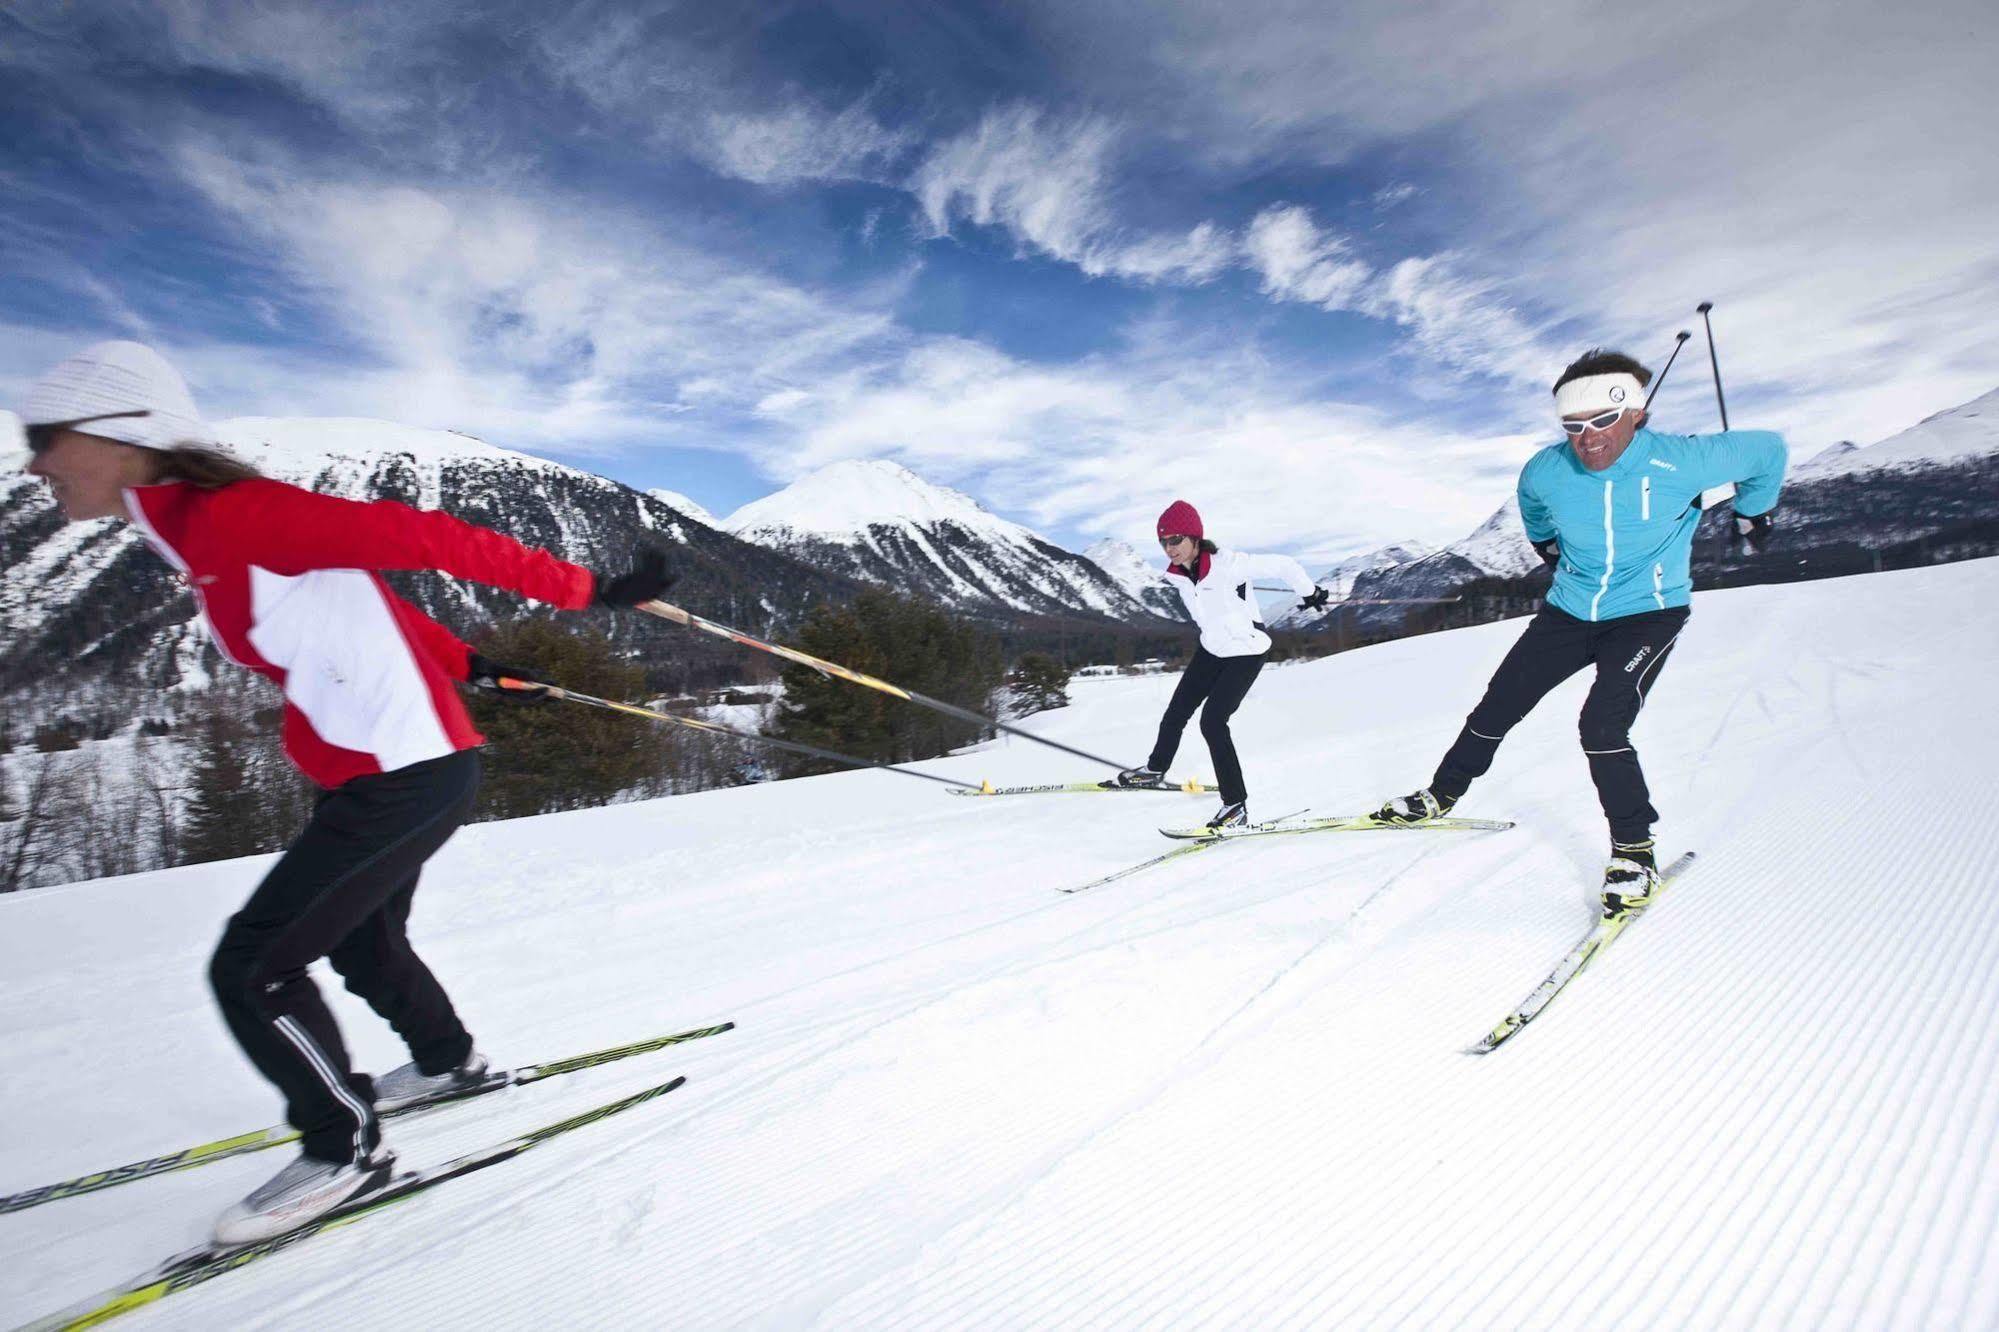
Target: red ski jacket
<point>286,581</point>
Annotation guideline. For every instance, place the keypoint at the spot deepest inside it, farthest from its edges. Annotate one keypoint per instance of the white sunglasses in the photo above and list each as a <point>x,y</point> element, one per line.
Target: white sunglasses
<point>1601,421</point>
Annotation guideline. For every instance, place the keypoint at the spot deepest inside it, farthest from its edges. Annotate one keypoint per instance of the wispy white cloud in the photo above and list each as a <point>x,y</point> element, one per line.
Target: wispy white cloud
<point>1296,261</point>
<point>1606,176</point>
<point>1099,446</point>
<point>801,143</point>
<point>1045,179</point>
<point>529,318</point>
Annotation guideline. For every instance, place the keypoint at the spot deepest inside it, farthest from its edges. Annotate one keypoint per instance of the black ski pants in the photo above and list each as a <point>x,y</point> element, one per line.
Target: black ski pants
<point>1627,653</point>
<point>342,892</point>
<point>1216,685</point>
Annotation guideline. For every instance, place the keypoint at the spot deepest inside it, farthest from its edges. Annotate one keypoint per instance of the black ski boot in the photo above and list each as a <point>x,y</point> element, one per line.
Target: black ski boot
<point>1230,816</point>
<point>1631,879</point>
<point>1416,807</point>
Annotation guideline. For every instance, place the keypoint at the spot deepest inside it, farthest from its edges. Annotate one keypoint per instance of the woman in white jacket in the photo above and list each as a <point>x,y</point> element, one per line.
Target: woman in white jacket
<point>1218,588</point>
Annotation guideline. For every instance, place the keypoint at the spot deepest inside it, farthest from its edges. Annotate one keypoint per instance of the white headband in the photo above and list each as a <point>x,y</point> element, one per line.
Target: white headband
<point>1599,393</point>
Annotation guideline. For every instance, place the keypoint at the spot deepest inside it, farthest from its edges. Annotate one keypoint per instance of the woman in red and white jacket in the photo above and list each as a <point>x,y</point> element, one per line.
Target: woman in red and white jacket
<point>287,581</point>
<point>1218,589</point>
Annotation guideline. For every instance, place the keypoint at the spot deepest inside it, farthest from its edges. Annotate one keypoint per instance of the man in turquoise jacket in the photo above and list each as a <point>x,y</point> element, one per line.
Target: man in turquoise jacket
<point>1613,509</point>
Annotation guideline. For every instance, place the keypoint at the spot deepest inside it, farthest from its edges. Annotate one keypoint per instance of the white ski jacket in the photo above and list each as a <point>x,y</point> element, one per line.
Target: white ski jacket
<point>1224,605</point>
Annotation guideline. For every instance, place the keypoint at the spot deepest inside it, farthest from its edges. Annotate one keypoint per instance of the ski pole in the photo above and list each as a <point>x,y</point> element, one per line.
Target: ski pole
<point>696,724</point>
<point>1714,361</point>
<point>1679,341</point>
<point>688,619</point>
<point>1373,601</point>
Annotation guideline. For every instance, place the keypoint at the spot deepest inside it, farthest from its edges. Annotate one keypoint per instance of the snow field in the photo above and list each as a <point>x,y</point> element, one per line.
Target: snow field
<point>1226,1093</point>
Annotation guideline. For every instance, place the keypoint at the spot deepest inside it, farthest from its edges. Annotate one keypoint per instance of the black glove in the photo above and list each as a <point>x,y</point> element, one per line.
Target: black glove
<point>647,580</point>
<point>1754,531</point>
<point>1550,551</point>
<point>1317,599</point>
<point>509,682</point>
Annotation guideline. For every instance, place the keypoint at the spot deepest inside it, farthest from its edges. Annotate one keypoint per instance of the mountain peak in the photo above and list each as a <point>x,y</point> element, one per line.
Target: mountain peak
<point>290,445</point>
<point>846,498</point>
<point>680,503</point>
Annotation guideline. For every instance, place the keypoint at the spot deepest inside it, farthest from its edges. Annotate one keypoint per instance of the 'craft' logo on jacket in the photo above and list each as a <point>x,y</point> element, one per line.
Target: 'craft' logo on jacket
<point>1643,653</point>
<point>1661,462</point>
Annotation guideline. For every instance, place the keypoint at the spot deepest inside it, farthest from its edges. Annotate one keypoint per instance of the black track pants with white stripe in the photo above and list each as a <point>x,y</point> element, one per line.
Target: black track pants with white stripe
<point>1628,653</point>
<point>342,892</point>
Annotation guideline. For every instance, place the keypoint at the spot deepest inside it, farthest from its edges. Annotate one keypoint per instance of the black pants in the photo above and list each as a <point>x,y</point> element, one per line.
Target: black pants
<point>1627,653</point>
<point>343,892</point>
<point>1221,682</point>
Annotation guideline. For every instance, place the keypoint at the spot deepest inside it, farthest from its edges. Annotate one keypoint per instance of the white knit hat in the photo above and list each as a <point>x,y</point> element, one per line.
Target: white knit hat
<point>119,377</point>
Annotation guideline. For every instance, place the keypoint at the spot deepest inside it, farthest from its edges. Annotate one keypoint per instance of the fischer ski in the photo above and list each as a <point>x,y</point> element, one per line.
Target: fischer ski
<point>1338,823</point>
<point>1601,936</point>
<point>207,1262</point>
<point>1189,787</point>
<point>279,1134</point>
<point>1201,841</point>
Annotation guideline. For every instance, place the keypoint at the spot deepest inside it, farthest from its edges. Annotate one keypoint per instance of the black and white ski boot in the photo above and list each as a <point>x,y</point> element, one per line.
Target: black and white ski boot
<point>1230,816</point>
<point>1416,807</point>
<point>301,1193</point>
<point>1631,879</point>
<point>1138,777</point>
<point>410,1085</point>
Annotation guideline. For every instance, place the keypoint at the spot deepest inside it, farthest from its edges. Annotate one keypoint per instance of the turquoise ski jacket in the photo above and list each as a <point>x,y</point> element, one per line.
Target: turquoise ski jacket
<point>1627,533</point>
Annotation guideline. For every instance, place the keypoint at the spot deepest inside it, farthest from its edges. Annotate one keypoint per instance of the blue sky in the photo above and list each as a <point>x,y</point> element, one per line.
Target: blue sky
<point>1309,267</point>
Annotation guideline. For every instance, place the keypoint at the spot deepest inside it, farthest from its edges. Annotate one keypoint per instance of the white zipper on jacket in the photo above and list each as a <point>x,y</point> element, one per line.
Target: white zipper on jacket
<point>1609,551</point>
<point>1645,498</point>
<point>1659,585</point>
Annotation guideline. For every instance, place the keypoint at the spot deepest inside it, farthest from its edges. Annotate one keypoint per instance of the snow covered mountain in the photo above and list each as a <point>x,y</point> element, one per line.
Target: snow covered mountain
<point>878,522</point>
<point>94,597</point>
<point>1930,492</point>
<point>1338,580</point>
<point>1226,1093</point>
<point>1144,579</point>
<point>675,500</point>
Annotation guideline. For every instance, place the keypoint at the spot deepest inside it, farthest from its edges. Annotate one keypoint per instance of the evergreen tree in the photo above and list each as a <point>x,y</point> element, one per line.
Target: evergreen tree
<point>244,797</point>
<point>558,756</point>
<point>911,644</point>
<point>1039,683</point>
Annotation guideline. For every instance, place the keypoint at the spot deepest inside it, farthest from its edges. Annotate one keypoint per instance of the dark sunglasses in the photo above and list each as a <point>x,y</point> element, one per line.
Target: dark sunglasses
<point>1173,540</point>
<point>1601,421</point>
<point>40,437</point>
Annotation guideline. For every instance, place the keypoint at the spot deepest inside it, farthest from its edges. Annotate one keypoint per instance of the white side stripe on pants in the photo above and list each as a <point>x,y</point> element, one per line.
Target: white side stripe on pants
<point>316,1058</point>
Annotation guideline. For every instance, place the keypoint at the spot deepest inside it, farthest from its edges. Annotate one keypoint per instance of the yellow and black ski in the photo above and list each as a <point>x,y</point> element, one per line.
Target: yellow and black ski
<point>1188,787</point>
<point>1601,936</point>
<point>1341,823</point>
<point>204,1264</point>
<point>279,1134</point>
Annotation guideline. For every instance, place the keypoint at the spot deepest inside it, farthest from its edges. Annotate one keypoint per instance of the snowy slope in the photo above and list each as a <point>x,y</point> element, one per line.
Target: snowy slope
<point>879,522</point>
<point>1228,1094</point>
<point>1144,579</point>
